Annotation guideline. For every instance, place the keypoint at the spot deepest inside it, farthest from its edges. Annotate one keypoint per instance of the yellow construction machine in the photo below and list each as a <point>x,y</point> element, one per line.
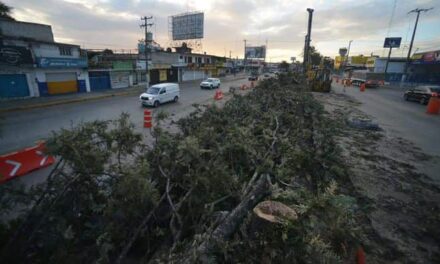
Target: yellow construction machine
<point>319,78</point>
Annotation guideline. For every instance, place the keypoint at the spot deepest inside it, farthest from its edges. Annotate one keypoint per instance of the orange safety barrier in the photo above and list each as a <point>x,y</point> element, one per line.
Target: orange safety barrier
<point>22,162</point>
<point>218,95</point>
<point>147,119</point>
<point>362,87</point>
<point>433,106</point>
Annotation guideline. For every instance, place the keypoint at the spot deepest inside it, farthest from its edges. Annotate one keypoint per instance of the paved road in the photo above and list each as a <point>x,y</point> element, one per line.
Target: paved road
<point>403,119</point>
<point>22,129</point>
<point>407,119</point>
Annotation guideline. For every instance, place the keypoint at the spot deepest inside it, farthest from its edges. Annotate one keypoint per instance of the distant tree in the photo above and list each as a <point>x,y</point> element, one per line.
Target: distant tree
<point>284,66</point>
<point>5,12</point>
<point>315,56</point>
<point>107,52</point>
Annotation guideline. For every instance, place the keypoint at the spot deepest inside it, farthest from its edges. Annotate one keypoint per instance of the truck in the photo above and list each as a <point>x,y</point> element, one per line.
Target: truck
<point>371,79</point>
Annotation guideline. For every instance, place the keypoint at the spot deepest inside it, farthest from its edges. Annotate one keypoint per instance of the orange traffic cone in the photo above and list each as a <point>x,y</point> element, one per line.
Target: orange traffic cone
<point>218,95</point>
<point>147,119</point>
<point>362,87</point>
<point>360,256</point>
<point>433,106</point>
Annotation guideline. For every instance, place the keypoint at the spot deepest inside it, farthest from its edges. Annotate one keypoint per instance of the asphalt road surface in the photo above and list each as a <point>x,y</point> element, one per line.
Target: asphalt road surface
<point>400,118</point>
<point>22,129</point>
<point>407,119</point>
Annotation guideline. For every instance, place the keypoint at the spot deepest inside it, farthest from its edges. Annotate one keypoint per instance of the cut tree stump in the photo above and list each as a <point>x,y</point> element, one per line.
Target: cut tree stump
<point>275,212</point>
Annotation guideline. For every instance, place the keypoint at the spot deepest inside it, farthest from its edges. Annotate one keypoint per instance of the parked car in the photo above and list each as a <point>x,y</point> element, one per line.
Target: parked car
<point>210,83</point>
<point>422,94</point>
<point>160,93</point>
<point>253,78</point>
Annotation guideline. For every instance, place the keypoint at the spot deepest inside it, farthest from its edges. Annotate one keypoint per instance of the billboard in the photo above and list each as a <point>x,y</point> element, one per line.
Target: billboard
<point>187,26</point>
<point>12,55</point>
<point>392,42</point>
<point>258,52</point>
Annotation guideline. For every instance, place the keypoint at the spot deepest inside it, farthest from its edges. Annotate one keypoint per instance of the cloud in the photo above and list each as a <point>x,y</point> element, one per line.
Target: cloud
<point>115,23</point>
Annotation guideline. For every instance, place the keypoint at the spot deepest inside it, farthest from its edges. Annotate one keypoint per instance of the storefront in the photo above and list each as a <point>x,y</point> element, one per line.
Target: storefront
<point>61,75</point>
<point>425,68</point>
<point>15,65</point>
<point>121,76</point>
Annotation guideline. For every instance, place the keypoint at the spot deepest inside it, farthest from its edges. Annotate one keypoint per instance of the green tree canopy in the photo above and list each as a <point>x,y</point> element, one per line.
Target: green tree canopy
<point>5,12</point>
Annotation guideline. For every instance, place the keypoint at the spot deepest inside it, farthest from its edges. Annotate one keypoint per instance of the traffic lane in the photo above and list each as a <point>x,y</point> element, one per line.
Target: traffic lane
<point>407,119</point>
<point>190,94</point>
<point>22,129</point>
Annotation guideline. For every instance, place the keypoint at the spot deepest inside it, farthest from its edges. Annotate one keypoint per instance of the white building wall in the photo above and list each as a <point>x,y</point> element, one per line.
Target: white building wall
<point>53,51</point>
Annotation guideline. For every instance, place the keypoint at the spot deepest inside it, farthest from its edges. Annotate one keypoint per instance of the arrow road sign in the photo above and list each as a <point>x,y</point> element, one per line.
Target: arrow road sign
<point>16,165</point>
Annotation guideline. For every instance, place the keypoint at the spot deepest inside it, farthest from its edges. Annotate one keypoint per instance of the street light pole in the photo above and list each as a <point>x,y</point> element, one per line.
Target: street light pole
<point>348,53</point>
<point>417,10</point>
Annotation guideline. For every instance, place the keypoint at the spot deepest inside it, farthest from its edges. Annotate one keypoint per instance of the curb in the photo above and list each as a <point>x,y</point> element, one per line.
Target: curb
<point>66,101</point>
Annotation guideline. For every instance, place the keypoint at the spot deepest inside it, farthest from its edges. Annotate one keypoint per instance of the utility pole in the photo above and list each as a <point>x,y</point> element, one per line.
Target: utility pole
<point>147,45</point>
<point>245,57</point>
<point>308,39</point>
<point>417,10</point>
<point>388,61</point>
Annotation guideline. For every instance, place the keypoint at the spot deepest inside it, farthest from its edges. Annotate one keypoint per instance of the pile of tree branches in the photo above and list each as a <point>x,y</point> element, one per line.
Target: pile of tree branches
<point>190,197</point>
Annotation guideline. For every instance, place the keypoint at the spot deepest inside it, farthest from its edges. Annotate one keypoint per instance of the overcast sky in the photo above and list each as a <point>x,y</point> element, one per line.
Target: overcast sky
<point>114,24</point>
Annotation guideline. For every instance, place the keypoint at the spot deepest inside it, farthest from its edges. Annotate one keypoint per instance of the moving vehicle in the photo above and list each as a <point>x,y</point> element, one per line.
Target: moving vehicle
<point>253,77</point>
<point>210,83</point>
<point>371,79</point>
<point>422,93</point>
<point>160,93</point>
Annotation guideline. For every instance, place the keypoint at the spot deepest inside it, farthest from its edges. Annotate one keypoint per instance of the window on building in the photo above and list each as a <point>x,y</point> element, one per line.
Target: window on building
<point>190,59</point>
<point>186,59</point>
<point>65,51</point>
<point>208,60</point>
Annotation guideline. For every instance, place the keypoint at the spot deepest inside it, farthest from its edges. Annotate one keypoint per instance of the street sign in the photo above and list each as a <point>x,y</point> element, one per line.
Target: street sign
<point>392,42</point>
<point>343,52</point>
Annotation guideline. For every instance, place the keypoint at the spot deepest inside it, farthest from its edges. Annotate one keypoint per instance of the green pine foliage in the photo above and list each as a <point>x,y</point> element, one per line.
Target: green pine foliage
<point>112,199</point>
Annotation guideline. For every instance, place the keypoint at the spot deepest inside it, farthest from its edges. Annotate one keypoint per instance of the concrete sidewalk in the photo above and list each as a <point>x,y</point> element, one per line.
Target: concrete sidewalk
<point>40,102</point>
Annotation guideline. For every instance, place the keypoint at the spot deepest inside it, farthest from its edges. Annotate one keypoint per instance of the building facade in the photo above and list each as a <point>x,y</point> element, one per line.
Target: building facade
<point>33,64</point>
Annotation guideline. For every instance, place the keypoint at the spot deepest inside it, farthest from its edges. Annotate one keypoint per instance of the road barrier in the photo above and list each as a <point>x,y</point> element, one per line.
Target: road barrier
<point>433,107</point>
<point>218,95</point>
<point>362,87</point>
<point>22,162</point>
<point>147,119</point>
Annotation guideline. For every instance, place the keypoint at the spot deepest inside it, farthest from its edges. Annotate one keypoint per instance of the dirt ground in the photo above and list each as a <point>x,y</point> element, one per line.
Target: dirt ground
<point>399,202</point>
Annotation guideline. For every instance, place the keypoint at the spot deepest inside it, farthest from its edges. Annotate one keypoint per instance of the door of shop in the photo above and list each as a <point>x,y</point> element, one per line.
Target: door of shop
<point>99,80</point>
<point>61,83</point>
<point>13,85</point>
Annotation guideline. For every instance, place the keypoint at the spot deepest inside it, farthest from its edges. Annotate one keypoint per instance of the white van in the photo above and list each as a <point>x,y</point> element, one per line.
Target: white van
<point>160,93</point>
